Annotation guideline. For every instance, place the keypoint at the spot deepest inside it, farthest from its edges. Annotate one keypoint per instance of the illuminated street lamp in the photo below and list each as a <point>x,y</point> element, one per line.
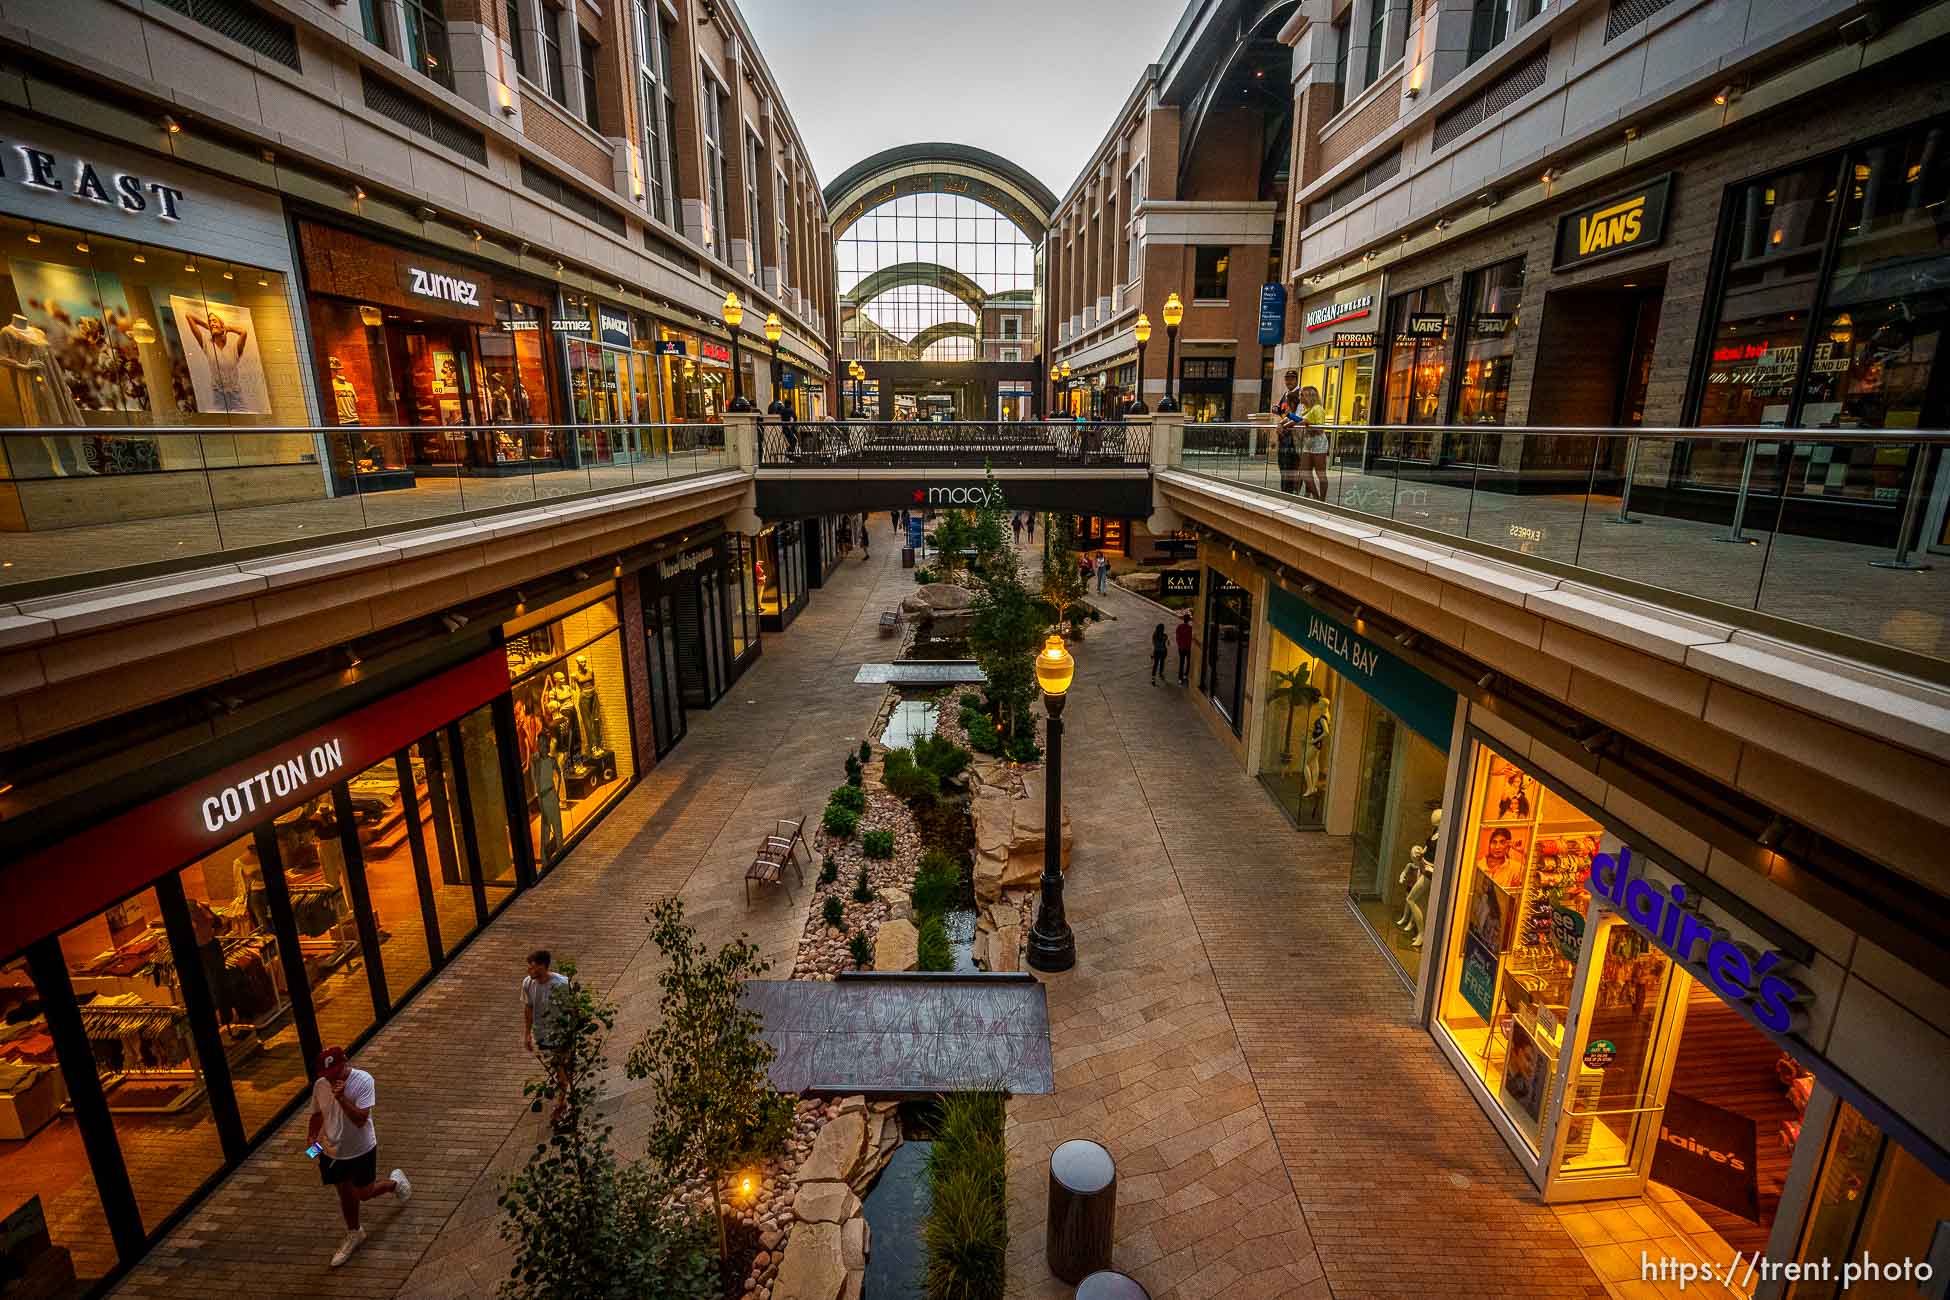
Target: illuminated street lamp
<point>1174,313</point>
<point>858,374</point>
<point>773,329</point>
<point>1052,947</point>
<point>1143,332</point>
<point>1055,386</point>
<point>734,315</point>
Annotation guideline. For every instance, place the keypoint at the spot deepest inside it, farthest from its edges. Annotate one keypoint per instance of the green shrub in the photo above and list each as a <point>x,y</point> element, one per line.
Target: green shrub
<point>923,575</point>
<point>908,781</point>
<point>852,770</point>
<point>942,756</point>
<point>839,822</point>
<point>866,753</point>
<point>970,700</point>
<point>933,950</point>
<point>861,949</point>
<point>936,884</point>
<point>863,887</point>
<point>876,844</point>
<point>829,870</point>
<point>983,736</point>
<point>848,796</point>
<point>834,912</point>
<point>967,1230</point>
<point>1023,749</point>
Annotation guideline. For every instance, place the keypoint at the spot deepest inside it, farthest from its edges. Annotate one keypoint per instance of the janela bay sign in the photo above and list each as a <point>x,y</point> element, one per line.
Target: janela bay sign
<point>1351,650</point>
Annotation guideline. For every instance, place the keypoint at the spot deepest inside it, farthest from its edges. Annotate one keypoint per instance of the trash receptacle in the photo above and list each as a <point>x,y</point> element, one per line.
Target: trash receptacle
<point>1082,1209</point>
<point>907,557</point>
<point>1111,1285</point>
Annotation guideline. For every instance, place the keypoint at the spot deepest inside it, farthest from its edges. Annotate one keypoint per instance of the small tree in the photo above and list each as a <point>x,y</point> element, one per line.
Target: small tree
<point>707,1063</point>
<point>988,534</point>
<point>1006,629</point>
<point>951,537</point>
<point>1063,585</point>
<point>583,1223</point>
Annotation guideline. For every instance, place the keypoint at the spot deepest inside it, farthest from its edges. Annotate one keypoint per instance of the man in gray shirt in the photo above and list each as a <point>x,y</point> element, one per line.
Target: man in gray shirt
<point>543,994</point>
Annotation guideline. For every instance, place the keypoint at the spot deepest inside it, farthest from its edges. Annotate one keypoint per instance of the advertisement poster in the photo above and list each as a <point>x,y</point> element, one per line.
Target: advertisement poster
<point>1708,1152</point>
<point>1491,914</point>
<point>86,319</point>
<point>1526,1073</point>
<point>1501,852</point>
<point>1478,982</point>
<point>220,347</point>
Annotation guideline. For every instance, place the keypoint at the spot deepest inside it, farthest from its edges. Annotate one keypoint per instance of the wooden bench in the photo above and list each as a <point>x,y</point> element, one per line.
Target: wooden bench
<point>778,851</point>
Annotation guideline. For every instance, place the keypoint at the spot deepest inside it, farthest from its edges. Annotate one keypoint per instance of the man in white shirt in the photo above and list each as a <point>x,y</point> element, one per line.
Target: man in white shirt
<point>542,1031</point>
<point>346,1143</point>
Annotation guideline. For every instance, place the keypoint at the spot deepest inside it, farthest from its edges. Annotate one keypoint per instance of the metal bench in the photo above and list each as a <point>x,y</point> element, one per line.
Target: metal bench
<point>889,620</point>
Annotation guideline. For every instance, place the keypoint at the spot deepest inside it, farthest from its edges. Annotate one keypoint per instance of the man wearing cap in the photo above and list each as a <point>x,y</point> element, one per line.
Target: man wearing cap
<point>342,1100</point>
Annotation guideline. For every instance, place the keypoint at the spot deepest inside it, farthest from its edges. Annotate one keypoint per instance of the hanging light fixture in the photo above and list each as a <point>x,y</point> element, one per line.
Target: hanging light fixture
<point>142,331</point>
<point>33,233</point>
<point>80,245</point>
<point>139,257</point>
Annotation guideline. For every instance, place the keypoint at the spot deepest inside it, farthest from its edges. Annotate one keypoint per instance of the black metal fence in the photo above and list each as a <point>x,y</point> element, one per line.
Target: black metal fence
<point>953,444</point>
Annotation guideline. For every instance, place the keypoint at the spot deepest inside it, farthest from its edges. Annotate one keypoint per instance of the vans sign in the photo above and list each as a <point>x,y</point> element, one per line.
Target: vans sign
<point>447,288</point>
<point>1623,223</point>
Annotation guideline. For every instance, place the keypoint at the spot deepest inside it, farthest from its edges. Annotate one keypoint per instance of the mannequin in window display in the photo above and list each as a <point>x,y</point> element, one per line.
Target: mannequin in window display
<point>1421,866</point>
<point>36,393</point>
<point>1314,748</point>
<point>546,773</point>
<point>589,705</point>
<point>562,701</point>
<point>345,397</point>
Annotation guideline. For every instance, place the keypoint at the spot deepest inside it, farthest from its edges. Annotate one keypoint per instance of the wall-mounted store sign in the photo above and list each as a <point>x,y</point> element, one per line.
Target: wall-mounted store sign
<point>1178,582</point>
<point>1356,341</point>
<point>67,882</point>
<point>671,566</point>
<point>1491,324</point>
<point>1272,314</point>
<point>79,178</point>
<point>571,324</point>
<point>1422,325</point>
<point>718,352</point>
<point>615,328</point>
<point>1347,309</point>
<point>521,326</point>
<point>670,347</point>
<point>1667,917</point>
<point>441,285</point>
<point>1623,223</point>
<point>1427,706</point>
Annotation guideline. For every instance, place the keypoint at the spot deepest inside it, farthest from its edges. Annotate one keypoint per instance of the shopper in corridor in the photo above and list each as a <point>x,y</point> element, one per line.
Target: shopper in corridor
<point>1157,653</point>
<point>341,1135</point>
<point>541,1021</point>
<point>1185,650</point>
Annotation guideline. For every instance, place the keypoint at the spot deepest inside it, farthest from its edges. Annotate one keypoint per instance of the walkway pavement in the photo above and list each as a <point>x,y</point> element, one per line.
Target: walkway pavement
<point>1282,1128</point>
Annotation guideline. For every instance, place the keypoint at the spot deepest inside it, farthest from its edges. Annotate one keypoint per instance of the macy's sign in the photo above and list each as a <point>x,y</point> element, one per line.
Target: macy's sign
<point>976,495</point>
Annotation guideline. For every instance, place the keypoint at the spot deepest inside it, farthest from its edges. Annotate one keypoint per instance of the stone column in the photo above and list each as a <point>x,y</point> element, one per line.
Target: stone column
<point>741,439</point>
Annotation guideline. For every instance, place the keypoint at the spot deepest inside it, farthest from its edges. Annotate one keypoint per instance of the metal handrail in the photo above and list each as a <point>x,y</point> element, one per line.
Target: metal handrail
<point>147,430</point>
<point>1723,433</point>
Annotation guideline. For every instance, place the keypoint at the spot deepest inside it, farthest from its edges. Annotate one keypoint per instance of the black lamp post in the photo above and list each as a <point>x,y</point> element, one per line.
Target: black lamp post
<point>734,315</point>
<point>1052,945</point>
<point>1174,313</point>
<point>1055,389</point>
<point>773,329</point>
<point>1143,332</point>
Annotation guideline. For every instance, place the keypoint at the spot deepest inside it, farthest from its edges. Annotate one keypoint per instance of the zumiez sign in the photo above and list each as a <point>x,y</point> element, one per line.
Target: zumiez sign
<point>447,288</point>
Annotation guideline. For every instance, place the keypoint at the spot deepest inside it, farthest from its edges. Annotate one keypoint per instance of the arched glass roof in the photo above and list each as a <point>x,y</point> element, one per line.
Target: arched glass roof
<point>916,263</point>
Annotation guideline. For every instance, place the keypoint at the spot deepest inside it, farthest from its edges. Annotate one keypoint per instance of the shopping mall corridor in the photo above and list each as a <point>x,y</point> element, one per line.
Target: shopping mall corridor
<point>1281,1126</point>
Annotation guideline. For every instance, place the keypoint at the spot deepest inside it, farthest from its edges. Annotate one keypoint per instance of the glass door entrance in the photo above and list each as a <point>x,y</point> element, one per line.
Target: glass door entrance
<point>1612,1084</point>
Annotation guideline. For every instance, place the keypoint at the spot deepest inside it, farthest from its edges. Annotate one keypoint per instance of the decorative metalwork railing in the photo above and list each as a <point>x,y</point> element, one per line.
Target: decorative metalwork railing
<point>91,501</point>
<point>952,444</point>
<point>1842,529</point>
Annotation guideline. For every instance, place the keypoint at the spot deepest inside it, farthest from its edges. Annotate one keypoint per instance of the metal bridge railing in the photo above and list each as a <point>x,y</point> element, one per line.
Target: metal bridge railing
<point>89,502</point>
<point>953,444</point>
<point>1840,529</point>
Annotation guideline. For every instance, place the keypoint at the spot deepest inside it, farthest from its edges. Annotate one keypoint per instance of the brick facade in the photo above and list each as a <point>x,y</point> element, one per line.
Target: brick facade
<point>1369,121</point>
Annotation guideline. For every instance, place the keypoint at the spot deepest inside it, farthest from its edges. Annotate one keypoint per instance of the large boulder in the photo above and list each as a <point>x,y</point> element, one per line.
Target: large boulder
<point>825,1203</point>
<point>815,1265</point>
<point>1143,582</point>
<point>897,946</point>
<point>1009,838</point>
<point>944,608</point>
<point>837,1150</point>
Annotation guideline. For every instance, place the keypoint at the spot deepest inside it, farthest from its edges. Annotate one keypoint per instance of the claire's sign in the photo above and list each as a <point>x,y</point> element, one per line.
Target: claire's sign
<point>1665,916</point>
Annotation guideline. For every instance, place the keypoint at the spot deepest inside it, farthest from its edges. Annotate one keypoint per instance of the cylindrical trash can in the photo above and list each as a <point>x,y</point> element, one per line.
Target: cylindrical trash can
<point>1082,1209</point>
<point>907,557</point>
<point>1111,1285</point>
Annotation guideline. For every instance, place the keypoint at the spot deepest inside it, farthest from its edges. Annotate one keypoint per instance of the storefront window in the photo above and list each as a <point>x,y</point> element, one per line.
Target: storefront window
<point>515,383</point>
<point>743,605</point>
<point>1397,824</point>
<point>1418,363</point>
<point>780,568</point>
<point>459,906</point>
<point>358,373</point>
<point>1492,300</point>
<point>1228,636</point>
<point>1521,902</point>
<point>1205,389</point>
<point>124,974</point>
<point>387,814</point>
<point>694,384</point>
<point>1345,381</point>
<point>572,717</point>
<point>1874,1201</point>
<point>1298,725</point>
<point>328,935</point>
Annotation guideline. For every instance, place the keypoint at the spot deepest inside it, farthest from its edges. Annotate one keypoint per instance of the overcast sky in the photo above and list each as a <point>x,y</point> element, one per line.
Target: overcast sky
<point>1033,80</point>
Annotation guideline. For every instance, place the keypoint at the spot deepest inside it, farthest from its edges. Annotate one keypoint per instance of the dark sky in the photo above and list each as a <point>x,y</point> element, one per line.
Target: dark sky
<point>1034,80</point>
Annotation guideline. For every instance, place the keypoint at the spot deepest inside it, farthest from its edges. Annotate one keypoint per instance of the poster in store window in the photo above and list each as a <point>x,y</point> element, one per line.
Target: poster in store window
<point>87,321</point>
<point>1526,1073</point>
<point>1478,981</point>
<point>220,347</point>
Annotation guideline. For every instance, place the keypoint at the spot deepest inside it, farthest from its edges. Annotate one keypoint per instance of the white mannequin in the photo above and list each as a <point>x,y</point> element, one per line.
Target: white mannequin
<point>1421,866</point>
<point>40,392</point>
<point>1314,748</point>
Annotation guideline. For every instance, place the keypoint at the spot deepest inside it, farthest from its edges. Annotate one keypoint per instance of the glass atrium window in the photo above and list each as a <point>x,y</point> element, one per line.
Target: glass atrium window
<point>926,277</point>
